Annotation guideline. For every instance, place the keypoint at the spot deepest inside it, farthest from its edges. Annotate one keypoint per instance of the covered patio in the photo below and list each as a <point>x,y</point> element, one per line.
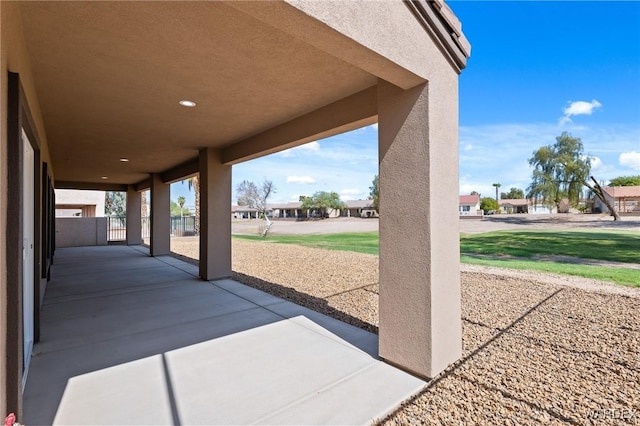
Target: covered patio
<point>133,339</point>
<point>133,96</point>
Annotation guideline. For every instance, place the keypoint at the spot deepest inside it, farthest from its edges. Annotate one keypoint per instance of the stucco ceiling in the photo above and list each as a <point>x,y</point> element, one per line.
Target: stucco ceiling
<point>109,76</point>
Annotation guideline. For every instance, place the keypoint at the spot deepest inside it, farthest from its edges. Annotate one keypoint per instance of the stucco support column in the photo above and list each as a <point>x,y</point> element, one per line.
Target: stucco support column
<point>420,325</point>
<point>215,216</point>
<point>160,217</point>
<point>134,216</point>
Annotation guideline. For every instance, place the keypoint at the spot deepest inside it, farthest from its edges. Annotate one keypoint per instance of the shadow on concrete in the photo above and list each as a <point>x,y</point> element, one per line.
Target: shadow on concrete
<point>112,330</point>
<point>303,299</point>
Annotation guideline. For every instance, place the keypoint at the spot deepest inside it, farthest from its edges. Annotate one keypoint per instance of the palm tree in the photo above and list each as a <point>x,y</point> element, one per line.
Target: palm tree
<point>194,182</point>
<point>497,185</point>
<point>181,201</point>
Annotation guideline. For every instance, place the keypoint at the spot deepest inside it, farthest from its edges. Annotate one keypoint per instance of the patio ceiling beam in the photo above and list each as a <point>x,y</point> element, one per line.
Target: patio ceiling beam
<point>143,185</point>
<point>95,186</point>
<point>181,171</point>
<point>350,113</point>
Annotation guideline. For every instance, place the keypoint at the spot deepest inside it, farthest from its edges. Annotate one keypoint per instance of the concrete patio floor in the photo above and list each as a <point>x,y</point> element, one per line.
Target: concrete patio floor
<point>132,339</point>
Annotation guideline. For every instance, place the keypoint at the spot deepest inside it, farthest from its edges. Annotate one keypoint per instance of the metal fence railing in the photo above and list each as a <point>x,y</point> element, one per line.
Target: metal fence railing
<point>183,226</point>
<point>179,227</point>
<point>146,227</point>
<point>116,228</point>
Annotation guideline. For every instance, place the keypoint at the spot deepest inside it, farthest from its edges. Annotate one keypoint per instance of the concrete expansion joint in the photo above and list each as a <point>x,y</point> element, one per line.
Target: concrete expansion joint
<point>315,393</point>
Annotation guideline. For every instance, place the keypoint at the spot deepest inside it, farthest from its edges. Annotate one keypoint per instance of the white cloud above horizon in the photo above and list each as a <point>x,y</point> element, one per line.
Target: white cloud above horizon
<point>352,194</point>
<point>300,179</point>
<point>630,160</point>
<point>501,152</point>
<point>579,108</point>
<point>308,147</point>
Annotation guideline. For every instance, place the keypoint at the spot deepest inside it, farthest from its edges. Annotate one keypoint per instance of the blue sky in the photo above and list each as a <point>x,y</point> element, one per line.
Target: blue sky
<point>536,69</point>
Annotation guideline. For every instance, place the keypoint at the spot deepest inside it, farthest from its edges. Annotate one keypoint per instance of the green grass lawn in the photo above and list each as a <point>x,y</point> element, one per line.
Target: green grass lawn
<point>619,246</point>
<point>512,249</point>
<point>366,242</point>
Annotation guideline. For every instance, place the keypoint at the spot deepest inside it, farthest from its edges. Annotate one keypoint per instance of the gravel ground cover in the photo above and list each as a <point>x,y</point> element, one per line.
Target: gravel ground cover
<point>537,348</point>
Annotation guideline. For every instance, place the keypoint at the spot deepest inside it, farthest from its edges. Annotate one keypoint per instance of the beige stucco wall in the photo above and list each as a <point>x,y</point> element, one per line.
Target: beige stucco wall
<point>13,57</point>
<point>81,231</point>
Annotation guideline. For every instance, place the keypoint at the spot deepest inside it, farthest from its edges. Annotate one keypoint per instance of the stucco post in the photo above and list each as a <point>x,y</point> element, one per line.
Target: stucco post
<point>215,216</point>
<point>134,217</point>
<point>160,217</point>
<point>420,324</point>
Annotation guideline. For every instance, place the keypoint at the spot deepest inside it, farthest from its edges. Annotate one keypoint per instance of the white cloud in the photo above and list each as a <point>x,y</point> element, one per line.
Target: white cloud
<point>309,147</point>
<point>375,126</point>
<point>352,194</point>
<point>579,108</point>
<point>596,164</point>
<point>300,179</point>
<point>630,159</point>
<point>468,147</point>
<point>350,191</point>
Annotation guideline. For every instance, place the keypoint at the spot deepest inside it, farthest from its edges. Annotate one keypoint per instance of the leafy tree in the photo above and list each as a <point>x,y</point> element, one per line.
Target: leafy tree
<point>115,203</point>
<point>322,202</point>
<point>513,194</point>
<point>253,197</point>
<point>560,171</point>
<point>625,181</point>
<point>175,209</point>
<point>488,203</point>
<point>374,192</point>
<point>474,193</point>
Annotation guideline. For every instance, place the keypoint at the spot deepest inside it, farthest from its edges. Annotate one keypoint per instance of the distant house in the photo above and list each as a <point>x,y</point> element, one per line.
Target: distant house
<point>243,212</point>
<point>509,206</point>
<point>625,199</point>
<point>293,210</point>
<point>538,207</point>
<point>359,208</point>
<point>469,205</point>
<point>288,210</point>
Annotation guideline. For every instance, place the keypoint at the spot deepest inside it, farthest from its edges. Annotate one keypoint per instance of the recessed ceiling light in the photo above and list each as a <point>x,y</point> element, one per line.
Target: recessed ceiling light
<point>186,103</point>
<point>104,177</point>
<point>124,160</point>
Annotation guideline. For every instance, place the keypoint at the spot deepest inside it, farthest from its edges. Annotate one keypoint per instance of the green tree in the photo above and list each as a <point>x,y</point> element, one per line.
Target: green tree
<point>513,194</point>
<point>474,193</point>
<point>625,181</point>
<point>174,209</point>
<point>250,195</point>
<point>560,171</point>
<point>488,204</point>
<point>322,203</point>
<point>115,203</point>
<point>374,193</point>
